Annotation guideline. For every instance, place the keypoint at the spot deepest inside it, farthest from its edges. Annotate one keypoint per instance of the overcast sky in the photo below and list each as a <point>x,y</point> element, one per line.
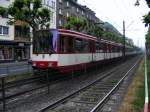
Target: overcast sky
<point>115,11</point>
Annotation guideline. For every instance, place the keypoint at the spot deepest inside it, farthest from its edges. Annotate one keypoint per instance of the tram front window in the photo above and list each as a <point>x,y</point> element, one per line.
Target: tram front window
<point>43,42</point>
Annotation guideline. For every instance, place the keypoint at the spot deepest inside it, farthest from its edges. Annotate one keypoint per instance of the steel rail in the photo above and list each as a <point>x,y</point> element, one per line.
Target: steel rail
<point>78,91</point>
<point>113,89</point>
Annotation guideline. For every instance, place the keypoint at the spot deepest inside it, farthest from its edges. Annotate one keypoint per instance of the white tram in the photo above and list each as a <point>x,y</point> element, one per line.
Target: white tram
<point>66,50</point>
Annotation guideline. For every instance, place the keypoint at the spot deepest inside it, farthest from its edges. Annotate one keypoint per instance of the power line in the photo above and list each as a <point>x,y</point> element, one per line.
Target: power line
<point>110,19</point>
<point>126,8</point>
<point>119,9</point>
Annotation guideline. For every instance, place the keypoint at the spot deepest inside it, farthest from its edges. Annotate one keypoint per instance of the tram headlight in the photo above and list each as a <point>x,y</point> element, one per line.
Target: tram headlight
<point>49,64</point>
<point>34,64</point>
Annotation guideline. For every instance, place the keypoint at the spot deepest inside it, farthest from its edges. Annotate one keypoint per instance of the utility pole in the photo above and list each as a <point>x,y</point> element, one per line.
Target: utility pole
<point>124,40</point>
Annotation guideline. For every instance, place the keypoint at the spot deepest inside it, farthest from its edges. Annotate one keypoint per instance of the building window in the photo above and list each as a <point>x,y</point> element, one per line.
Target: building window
<point>60,22</point>
<point>90,17</point>
<point>60,11</point>
<point>48,2</point>
<point>73,9</point>
<point>44,2</point>
<point>82,12</point>
<point>4,30</point>
<point>53,4</point>
<point>68,14</point>
<point>60,1</point>
<point>77,9</point>
<point>52,17</point>
<point>68,4</point>
<point>1,32</point>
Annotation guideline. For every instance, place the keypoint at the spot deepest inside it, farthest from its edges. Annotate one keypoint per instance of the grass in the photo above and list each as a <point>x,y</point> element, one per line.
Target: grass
<point>148,76</point>
<point>18,77</point>
<point>134,99</point>
<point>138,102</point>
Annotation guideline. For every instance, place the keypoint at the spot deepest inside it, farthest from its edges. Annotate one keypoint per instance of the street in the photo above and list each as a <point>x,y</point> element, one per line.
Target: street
<point>15,68</point>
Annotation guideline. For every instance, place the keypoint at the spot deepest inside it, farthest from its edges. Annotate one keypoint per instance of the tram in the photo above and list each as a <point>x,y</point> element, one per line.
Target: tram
<point>66,50</point>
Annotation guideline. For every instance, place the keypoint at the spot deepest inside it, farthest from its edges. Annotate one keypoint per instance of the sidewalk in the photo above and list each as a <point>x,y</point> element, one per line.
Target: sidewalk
<point>13,63</point>
<point>14,68</point>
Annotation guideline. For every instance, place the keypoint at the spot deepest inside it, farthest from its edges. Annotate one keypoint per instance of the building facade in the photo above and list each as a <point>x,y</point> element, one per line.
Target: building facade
<point>66,8</point>
<point>51,5</point>
<point>6,36</point>
<point>14,39</point>
<point>13,45</point>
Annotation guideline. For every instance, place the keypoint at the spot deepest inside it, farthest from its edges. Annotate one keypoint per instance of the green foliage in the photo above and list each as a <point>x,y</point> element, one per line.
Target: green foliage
<point>148,38</point>
<point>140,94</point>
<point>3,11</point>
<point>139,101</point>
<point>148,72</point>
<point>84,25</point>
<point>74,23</point>
<point>98,30</point>
<point>147,19</point>
<point>113,36</point>
<point>37,18</point>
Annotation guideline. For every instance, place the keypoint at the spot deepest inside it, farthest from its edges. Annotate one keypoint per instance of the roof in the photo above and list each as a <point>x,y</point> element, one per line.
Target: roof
<point>82,35</point>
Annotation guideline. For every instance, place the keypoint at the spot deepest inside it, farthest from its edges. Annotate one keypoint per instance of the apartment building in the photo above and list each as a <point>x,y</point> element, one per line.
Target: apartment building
<point>14,39</point>
<point>6,36</point>
<point>66,8</point>
<point>51,5</point>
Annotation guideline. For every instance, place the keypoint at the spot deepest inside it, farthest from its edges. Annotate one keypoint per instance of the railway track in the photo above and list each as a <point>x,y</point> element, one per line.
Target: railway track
<point>95,95</point>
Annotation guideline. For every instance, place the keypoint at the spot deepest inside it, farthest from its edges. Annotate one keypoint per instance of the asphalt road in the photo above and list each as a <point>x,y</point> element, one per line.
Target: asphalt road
<point>15,68</point>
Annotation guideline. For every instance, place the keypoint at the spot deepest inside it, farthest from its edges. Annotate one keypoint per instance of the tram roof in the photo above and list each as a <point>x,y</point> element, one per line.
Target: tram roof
<point>82,35</point>
<point>85,36</point>
<point>77,34</point>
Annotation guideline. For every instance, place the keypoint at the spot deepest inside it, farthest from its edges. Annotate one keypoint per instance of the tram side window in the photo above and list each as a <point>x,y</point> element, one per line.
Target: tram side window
<point>85,46</point>
<point>113,48</point>
<point>119,49</point>
<point>109,48</point>
<point>101,48</point>
<point>97,47</point>
<point>70,44</point>
<point>82,45</point>
<point>78,45</point>
<point>92,46</point>
<point>104,47</point>
<point>62,44</point>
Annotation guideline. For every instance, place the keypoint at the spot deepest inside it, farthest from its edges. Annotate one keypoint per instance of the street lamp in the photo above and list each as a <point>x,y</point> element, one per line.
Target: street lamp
<point>137,3</point>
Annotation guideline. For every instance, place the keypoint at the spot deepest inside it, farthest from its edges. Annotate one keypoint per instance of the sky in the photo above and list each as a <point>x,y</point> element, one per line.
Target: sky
<point>117,11</point>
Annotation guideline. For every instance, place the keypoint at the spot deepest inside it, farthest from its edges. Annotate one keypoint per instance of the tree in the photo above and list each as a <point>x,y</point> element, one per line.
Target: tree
<point>98,30</point>
<point>147,19</point>
<point>75,23</point>
<point>148,39</point>
<point>36,17</point>
<point>84,25</point>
